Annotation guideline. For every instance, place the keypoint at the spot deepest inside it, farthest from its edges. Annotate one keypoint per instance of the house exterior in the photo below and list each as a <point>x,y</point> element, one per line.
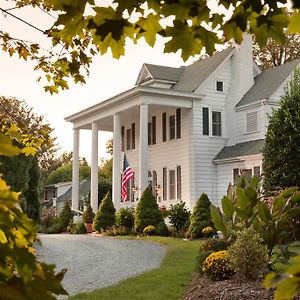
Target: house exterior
<point>185,130</point>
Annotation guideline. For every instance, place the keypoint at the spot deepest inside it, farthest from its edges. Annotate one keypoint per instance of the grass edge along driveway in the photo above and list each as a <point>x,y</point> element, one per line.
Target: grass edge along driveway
<point>169,281</point>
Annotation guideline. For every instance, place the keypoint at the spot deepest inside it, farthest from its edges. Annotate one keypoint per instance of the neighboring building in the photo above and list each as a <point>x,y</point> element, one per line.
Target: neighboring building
<point>56,194</point>
<point>186,130</point>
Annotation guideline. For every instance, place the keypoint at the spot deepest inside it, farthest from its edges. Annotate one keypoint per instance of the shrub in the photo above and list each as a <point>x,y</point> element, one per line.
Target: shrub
<point>80,228</point>
<point>201,258</point>
<point>55,226</point>
<point>207,231</point>
<point>162,229</point>
<point>66,216</point>
<point>124,217</point>
<point>46,215</point>
<point>71,228</point>
<point>121,230</point>
<point>147,212</point>
<point>105,216</point>
<point>200,217</point>
<point>247,254</point>
<point>104,186</point>
<point>214,245</point>
<point>164,212</point>
<point>149,230</point>
<point>178,215</point>
<point>88,215</point>
<point>217,266</point>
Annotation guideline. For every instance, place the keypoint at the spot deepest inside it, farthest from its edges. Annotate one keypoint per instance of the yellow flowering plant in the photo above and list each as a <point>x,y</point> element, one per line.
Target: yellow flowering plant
<point>149,230</point>
<point>216,266</point>
<point>207,231</point>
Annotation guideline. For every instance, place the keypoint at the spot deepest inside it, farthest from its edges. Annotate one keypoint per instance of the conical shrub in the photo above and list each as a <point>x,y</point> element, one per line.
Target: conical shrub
<point>105,216</point>
<point>200,217</point>
<point>147,212</point>
<point>66,216</point>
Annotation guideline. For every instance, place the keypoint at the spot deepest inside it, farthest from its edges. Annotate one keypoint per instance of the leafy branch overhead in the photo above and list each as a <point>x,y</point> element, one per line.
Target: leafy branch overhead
<point>84,28</point>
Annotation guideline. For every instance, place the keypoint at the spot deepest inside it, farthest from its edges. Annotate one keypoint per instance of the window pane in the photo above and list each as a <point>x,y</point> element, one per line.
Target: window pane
<point>235,174</point>
<point>205,120</point>
<point>178,182</point>
<point>149,133</point>
<point>133,136</point>
<point>154,130</point>
<point>172,184</point>
<point>219,86</point>
<point>216,123</point>
<point>164,127</point>
<point>257,171</point>
<point>164,183</point>
<point>128,141</point>
<point>178,123</point>
<point>172,127</point>
<point>122,138</point>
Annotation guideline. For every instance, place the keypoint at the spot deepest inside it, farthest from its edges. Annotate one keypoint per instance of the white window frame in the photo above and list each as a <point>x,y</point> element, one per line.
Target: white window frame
<point>211,122</point>
<point>219,80</point>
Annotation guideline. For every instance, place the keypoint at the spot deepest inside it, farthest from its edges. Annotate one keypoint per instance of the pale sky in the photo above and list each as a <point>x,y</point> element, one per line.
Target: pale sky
<point>108,77</point>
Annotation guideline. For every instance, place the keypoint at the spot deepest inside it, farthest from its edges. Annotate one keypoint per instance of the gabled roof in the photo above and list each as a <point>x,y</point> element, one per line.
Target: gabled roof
<point>186,78</point>
<point>267,82</point>
<point>194,74</point>
<point>241,149</point>
<point>59,184</point>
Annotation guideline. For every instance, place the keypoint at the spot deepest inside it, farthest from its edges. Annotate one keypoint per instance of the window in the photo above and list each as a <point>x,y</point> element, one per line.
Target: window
<point>178,169</point>
<point>178,123</point>
<point>216,123</point>
<point>164,127</point>
<point>164,183</point>
<point>172,127</point>
<point>246,172</point>
<point>133,136</point>
<point>154,183</point>
<point>256,171</point>
<point>219,86</point>
<point>128,139</point>
<point>153,130</point>
<point>205,121</point>
<point>251,122</point>
<point>122,138</point>
<point>131,188</point>
<point>149,133</point>
<point>236,175</point>
<point>172,184</point>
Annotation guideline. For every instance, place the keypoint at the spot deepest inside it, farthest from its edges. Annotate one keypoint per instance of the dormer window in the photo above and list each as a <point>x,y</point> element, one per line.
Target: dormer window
<point>219,86</point>
<point>251,122</point>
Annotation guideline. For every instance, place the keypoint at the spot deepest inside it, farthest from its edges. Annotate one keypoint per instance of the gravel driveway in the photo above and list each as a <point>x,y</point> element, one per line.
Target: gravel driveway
<point>95,262</point>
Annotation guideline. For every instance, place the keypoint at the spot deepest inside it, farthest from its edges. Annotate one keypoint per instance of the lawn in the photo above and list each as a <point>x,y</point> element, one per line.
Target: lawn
<point>167,282</point>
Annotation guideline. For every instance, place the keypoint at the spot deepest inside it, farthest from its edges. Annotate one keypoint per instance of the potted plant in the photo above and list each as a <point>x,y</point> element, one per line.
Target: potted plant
<point>88,217</point>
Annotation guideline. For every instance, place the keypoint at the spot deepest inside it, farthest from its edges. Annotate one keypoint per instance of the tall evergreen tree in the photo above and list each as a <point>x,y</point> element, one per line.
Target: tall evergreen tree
<point>281,153</point>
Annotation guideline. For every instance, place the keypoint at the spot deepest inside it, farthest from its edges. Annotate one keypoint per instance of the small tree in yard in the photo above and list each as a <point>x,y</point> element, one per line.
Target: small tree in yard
<point>179,215</point>
<point>147,212</point>
<point>105,216</point>
<point>66,216</point>
<point>200,217</point>
<point>88,215</point>
<point>281,154</point>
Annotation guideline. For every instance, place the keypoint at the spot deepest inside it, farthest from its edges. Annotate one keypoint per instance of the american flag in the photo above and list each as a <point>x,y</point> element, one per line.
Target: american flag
<point>126,176</point>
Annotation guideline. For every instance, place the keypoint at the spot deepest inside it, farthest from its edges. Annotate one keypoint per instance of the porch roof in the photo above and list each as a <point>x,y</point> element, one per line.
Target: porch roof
<point>129,99</point>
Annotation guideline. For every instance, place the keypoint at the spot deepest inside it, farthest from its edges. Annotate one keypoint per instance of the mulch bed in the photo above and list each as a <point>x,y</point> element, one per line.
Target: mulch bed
<point>230,289</point>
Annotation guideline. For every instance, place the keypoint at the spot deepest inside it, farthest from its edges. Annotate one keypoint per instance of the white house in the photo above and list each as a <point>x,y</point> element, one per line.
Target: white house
<point>185,130</point>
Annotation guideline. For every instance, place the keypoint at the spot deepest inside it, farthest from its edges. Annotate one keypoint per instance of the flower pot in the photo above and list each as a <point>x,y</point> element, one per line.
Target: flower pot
<point>89,227</point>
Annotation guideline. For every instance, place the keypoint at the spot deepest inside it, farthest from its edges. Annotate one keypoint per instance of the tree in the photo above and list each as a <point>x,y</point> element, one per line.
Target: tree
<point>147,212</point>
<point>275,54</point>
<point>66,216</point>
<point>105,216</point>
<point>179,215</point>
<point>281,153</point>
<point>200,217</point>
<point>83,29</point>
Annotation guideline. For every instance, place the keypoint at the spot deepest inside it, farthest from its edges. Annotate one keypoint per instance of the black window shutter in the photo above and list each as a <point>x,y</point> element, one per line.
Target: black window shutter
<point>164,127</point>
<point>153,130</point>
<point>205,119</point>
<point>178,123</point>
<point>133,135</point>
<point>122,138</point>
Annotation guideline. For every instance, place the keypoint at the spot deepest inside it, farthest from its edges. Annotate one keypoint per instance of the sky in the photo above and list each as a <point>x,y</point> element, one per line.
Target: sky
<point>108,77</point>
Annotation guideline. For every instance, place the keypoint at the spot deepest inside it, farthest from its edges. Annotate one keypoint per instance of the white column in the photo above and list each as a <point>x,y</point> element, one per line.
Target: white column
<point>75,173</point>
<point>116,195</point>
<point>143,165</point>
<point>94,168</point>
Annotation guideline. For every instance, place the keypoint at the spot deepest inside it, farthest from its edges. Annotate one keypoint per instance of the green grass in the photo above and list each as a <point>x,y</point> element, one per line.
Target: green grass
<point>169,281</point>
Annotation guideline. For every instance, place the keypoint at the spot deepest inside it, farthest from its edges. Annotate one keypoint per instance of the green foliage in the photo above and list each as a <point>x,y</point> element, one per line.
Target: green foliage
<point>162,229</point>
<point>247,255</point>
<point>149,230</point>
<point>200,217</point>
<point>78,228</point>
<point>88,215</point>
<point>214,245</point>
<point>106,170</point>
<point>55,226</point>
<point>104,186</point>
<point>124,217</point>
<point>66,216</point>
<point>116,230</point>
<point>178,215</point>
<point>87,28</point>
<point>244,206</point>
<point>286,284</point>
<point>147,212</point>
<point>207,231</point>
<point>202,255</point>
<point>217,266</point>
<point>281,155</point>
<point>105,216</point>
